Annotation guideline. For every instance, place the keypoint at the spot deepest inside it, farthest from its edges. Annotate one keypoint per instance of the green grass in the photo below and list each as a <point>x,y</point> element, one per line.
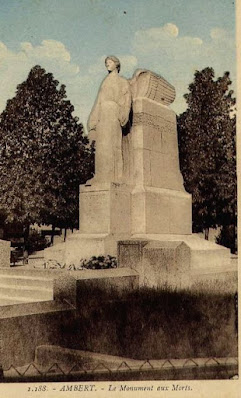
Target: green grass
<point>155,324</point>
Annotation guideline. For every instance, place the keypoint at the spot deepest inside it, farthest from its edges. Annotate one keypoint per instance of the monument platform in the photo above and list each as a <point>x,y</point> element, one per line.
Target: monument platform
<point>175,261</point>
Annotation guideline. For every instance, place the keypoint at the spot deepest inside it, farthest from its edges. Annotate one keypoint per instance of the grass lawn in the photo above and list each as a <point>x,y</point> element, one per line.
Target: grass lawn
<point>155,324</point>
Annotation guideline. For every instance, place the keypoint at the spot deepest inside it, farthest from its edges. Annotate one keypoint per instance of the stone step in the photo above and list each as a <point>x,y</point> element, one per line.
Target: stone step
<point>6,300</point>
<point>29,271</point>
<point>19,280</point>
<point>20,285</point>
<point>26,291</point>
<point>34,307</point>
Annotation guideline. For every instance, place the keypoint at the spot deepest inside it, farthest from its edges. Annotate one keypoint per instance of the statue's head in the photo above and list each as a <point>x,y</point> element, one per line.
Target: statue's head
<point>111,63</point>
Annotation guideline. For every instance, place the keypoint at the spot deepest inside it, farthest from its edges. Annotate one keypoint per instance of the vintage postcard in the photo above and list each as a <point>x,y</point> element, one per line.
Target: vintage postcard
<point>119,157</point>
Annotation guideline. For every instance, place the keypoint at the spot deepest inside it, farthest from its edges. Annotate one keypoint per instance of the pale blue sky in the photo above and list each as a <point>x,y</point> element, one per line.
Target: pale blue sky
<point>71,38</point>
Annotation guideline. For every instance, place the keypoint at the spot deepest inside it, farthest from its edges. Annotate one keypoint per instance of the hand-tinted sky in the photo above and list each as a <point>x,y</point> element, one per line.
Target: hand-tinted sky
<point>72,37</point>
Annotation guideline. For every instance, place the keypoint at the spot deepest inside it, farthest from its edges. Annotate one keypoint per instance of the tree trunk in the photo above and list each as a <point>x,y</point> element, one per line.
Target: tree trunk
<point>206,233</point>
<point>233,237</point>
<point>234,248</point>
<point>25,243</point>
<point>65,234</point>
<point>52,235</point>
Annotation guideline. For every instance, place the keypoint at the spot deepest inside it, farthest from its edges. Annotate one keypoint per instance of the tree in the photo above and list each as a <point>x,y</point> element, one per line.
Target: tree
<point>44,155</point>
<point>206,135</point>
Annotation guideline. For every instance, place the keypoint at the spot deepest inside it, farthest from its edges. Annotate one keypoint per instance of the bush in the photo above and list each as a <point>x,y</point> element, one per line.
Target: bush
<point>100,262</point>
<point>228,237</point>
<point>36,242</point>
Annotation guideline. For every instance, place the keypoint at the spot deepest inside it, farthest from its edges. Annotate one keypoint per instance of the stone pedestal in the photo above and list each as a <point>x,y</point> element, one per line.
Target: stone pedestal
<point>105,218</point>
<point>160,204</point>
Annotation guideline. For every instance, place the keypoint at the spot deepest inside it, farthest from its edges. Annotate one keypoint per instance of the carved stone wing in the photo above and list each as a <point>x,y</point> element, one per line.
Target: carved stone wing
<point>147,84</point>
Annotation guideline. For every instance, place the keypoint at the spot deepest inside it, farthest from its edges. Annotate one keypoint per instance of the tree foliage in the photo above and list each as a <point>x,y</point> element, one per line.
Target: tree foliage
<point>206,133</point>
<point>44,155</point>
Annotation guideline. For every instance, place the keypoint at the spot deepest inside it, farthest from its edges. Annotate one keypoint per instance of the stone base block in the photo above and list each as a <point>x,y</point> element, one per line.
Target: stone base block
<point>4,253</point>
<point>83,246</point>
<point>159,263</point>
<point>105,208</point>
<point>161,211</point>
<point>56,252</point>
<point>174,261</point>
<point>105,218</point>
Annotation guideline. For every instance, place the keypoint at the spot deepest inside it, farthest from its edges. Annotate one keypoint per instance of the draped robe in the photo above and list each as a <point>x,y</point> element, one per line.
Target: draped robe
<point>109,114</point>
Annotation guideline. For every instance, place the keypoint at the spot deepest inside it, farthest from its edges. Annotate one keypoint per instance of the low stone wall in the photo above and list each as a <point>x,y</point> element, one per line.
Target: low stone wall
<point>25,326</point>
<point>74,286</point>
<point>83,365</point>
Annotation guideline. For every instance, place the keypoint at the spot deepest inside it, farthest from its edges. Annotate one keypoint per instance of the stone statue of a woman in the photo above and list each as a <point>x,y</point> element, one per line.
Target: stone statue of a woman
<point>109,114</point>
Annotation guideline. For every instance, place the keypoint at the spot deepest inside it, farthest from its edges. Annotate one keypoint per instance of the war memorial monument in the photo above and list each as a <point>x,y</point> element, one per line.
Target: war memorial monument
<point>136,207</point>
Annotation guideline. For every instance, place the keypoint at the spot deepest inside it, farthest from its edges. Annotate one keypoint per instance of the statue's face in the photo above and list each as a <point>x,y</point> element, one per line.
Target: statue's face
<point>110,65</point>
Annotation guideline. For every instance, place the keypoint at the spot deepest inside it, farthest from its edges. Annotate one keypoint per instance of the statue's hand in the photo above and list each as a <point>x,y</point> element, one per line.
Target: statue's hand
<point>92,134</point>
<point>92,129</point>
<point>93,118</point>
